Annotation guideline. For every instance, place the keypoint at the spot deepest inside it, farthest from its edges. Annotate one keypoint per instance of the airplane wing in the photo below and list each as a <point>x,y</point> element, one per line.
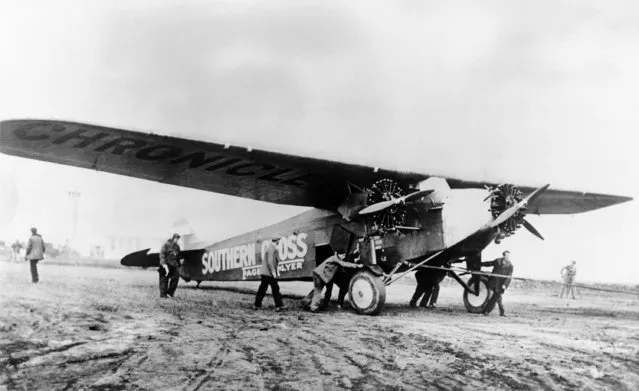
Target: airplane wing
<point>232,170</point>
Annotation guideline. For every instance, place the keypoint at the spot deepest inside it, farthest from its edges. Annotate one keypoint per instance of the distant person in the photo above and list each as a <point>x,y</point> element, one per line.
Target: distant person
<point>325,273</point>
<point>35,253</point>
<point>15,250</point>
<point>169,263</point>
<point>269,276</point>
<point>568,274</point>
<point>498,284</point>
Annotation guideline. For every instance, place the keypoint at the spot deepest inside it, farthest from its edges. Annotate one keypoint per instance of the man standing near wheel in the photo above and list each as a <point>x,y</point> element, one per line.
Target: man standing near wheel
<point>422,276</point>
<point>342,279</point>
<point>498,284</point>
<point>324,275</point>
<point>433,292</point>
<point>428,281</point>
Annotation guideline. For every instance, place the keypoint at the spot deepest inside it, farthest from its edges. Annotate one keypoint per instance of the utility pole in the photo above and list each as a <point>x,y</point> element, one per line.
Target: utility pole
<point>75,196</point>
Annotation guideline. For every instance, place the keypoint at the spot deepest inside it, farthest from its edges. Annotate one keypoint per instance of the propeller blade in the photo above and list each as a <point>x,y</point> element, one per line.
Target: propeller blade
<point>505,215</point>
<point>536,194</point>
<point>417,195</point>
<point>387,204</point>
<point>377,207</point>
<point>532,229</point>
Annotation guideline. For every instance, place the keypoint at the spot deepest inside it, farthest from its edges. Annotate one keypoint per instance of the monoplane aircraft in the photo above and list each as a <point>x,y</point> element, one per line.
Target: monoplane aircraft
<point>398,220</point>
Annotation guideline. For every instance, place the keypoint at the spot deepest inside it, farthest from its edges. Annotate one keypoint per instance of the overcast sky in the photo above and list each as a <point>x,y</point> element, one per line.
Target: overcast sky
<point>529,92</point>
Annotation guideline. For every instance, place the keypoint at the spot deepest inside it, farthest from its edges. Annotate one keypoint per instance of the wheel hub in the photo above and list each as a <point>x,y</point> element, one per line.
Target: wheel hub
<point>478,300</point>
<point>363,293</point>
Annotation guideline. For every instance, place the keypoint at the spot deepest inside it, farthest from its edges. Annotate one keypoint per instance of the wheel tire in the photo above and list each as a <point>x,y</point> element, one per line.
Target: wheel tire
<point>476,304</point>
<point>366,293</point>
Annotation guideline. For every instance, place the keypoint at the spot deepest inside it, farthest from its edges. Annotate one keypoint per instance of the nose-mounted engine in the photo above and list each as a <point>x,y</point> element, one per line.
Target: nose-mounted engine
<point>389,218</point>
<point>382,205</point>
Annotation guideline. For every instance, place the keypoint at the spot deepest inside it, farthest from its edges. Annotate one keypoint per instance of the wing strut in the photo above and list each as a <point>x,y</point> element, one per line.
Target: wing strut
<point>413,268</point>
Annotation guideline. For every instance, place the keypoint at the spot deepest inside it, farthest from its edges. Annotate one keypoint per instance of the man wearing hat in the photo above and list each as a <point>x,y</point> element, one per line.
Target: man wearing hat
<point>35,253</point>
<point>169,263</point>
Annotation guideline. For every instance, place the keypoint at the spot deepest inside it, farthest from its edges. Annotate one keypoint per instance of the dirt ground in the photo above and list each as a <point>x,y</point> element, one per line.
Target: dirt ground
<point>107,329</point>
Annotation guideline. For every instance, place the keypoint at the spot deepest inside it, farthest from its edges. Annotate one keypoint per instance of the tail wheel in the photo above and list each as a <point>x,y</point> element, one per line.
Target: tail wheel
<point>367,293</point>
<point>476,304</point>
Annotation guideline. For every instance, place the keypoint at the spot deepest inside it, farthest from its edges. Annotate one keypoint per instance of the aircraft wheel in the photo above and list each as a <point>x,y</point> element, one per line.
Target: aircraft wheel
<point>476,304</point>
<point>367,293</point>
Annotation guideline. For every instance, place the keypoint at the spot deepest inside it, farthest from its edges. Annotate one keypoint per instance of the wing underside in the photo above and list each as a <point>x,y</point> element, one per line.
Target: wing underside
<point>243,172</point>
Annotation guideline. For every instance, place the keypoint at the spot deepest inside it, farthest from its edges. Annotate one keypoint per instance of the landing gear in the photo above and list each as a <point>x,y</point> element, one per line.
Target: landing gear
<point>475,304</point>
<point>367,293</point>
<point>198,284</point>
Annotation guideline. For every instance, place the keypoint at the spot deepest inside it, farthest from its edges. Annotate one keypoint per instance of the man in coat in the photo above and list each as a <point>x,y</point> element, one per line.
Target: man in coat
<point>343,280</point>
<point>325,273</point>
<point>269,275</point>
<point>35,253</point>
<point>498,284</point>
<point>169,263</point>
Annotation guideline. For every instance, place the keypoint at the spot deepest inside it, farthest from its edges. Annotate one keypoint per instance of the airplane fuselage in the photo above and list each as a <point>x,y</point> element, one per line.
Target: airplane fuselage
<point>304,241</point>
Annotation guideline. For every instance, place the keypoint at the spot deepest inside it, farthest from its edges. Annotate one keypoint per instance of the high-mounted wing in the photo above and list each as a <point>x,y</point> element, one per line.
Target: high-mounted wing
<point>243,172</point>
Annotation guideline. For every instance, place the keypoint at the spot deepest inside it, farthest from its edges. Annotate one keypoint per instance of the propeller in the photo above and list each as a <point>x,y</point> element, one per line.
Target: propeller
<point>510,212</point>
<point>532,229</point>
<point>377,207</point>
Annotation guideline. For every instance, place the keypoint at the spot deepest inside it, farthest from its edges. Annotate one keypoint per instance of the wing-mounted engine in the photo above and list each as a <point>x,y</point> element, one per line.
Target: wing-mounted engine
<point>503,197</point>
<point>508,207</point>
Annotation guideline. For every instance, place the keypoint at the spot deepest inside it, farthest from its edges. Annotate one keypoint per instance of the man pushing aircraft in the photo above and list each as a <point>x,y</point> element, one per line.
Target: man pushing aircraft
<point>325,274</point>
<point>497,283</point>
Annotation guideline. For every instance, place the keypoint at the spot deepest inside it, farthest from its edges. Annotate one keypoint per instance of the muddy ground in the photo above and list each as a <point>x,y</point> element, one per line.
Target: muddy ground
<point>107,329</point>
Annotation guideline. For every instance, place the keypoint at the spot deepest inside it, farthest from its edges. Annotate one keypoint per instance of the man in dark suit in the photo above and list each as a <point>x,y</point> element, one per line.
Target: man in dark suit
<point>498,284</point>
